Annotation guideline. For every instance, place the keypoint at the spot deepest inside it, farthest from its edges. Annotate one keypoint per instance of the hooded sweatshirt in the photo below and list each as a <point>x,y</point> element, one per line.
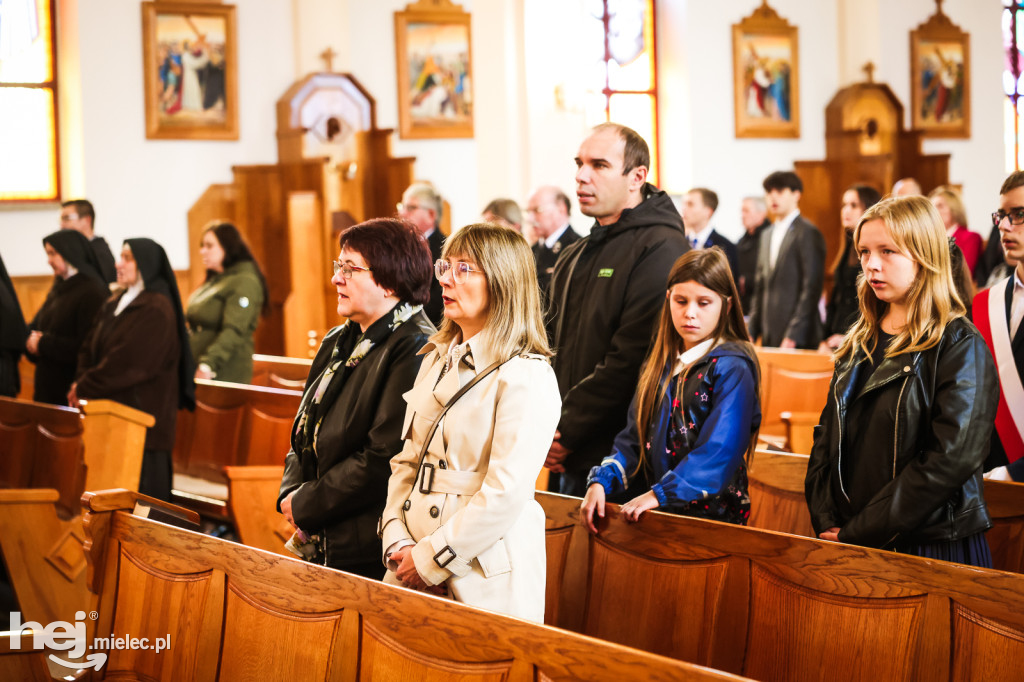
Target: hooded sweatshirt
<point>606,293</point>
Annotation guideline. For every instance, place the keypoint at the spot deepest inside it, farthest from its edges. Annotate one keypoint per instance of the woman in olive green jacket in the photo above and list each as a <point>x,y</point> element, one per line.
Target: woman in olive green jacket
<point>222,314</point>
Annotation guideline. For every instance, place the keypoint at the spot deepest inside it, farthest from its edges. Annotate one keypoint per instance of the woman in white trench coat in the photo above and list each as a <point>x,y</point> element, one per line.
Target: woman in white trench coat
<point>461,518</point>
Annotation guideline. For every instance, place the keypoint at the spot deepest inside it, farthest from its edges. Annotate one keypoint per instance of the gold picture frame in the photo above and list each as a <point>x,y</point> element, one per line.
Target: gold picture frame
<point>940,78</point>
<point>434,63</point>
<point>766,75</point>
<point>190,69</point>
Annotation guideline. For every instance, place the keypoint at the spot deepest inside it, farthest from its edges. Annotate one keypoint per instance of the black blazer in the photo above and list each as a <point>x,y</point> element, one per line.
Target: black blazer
<point>546,258</point>
<point>785,304</point>
<point>342,492</point>
<point>731,255</point>
<point>434,308</point>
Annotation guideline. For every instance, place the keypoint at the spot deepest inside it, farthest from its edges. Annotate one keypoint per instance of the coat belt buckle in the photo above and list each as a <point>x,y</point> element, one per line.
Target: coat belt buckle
<point>423,478</point>
<point>443,563</point>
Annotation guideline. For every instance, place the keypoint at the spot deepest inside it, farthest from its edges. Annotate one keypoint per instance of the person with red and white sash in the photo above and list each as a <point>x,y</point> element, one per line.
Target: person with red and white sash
<point>998,314</point>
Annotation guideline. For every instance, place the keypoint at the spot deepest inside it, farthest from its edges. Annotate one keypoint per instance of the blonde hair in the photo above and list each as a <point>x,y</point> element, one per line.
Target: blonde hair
<point>956,204</point>
<point>515,322</point>
<point>710,269</point>
<point>932,301</point>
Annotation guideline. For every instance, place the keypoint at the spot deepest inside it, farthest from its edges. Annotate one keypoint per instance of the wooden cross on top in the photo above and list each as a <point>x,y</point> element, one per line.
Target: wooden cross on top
<point>869,71</point>
<point>328,56</point>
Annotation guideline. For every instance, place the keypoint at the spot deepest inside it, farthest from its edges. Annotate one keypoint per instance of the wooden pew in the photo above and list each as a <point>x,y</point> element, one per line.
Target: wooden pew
<point>276,371</point>
<point>796,382</point>
<point>773,606</point>
<point>48,457</point>
<point>233,425</point>
<point>778,503</point>
<point>252,502</point>
<point>233,612</point>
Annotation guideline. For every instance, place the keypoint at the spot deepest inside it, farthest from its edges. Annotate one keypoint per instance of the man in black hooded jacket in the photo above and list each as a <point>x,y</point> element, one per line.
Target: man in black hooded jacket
<point>606,292</point>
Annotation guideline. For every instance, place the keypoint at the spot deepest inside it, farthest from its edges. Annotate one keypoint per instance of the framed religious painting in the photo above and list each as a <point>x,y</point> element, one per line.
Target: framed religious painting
<point>434,62</point>
<point>940,78</point>
<point>190,69</point>
<point>766,75</point>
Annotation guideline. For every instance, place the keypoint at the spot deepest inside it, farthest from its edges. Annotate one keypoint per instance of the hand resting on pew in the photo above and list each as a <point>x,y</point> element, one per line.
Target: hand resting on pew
<point>631,511</point>
<point>830,534</point>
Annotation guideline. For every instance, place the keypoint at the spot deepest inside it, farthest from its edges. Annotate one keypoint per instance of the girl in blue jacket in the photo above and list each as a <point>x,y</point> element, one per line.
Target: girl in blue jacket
<point>696,410</point>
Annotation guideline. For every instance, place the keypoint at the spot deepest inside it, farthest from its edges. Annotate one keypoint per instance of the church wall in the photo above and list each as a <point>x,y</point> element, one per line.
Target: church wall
<point>145,187</point>
<point>977,163</point>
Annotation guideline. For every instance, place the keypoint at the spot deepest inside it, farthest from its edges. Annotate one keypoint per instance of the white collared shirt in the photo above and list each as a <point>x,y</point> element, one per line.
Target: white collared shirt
<point>701,237</point>
<point>555,236</point>
<point>779,231</point>
<point>129,295</point>
<point>70,272</point>
<point>687,358</point>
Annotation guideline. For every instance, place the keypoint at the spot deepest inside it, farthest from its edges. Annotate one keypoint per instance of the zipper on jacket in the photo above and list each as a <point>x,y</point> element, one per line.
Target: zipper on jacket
<point>896,429</point>
<point>839,420</point>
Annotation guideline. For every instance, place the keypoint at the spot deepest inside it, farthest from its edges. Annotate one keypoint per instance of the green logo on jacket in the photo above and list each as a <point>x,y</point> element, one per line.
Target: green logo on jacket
<point>605,272</point>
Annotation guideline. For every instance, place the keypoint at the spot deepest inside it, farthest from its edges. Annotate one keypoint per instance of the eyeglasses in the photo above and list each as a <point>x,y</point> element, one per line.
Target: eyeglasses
<point>347,270</point>
<point>538,211</point>
<point>403,208</point>
<point>1016,216</point>
<point>459,269</point>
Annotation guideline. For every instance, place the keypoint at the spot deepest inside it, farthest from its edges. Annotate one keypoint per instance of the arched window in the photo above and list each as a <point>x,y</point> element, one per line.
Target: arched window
<point>622,75</point>
<point>1013,84</point>
<point>29,170</point>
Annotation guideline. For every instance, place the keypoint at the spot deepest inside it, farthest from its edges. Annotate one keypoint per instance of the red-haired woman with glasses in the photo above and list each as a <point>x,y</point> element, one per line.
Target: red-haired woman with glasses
<point>349,423</point>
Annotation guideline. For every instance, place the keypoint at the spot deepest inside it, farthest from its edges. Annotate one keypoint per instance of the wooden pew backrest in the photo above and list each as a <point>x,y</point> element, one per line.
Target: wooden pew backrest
<point>234,612</point>
<point>233,425</point>
<point>773,606</point>
<point>275,371</point>
<point>791,381</point>
<point>41,447</point>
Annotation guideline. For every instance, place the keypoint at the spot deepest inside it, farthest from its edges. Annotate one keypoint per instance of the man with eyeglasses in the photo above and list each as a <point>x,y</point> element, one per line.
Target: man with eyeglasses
<point>606,292</point>
<point>422,205</point>
<point>548,211</point>
<point>999,315</point>
<point>79,215</point>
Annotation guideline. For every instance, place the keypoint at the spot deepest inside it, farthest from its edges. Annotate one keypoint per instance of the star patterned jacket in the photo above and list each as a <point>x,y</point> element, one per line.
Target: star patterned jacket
<point>690,463</point>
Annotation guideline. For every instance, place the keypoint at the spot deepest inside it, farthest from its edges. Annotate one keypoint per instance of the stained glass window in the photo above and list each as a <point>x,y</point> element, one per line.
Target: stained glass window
<point>29,168</point>
<point>622,75</point>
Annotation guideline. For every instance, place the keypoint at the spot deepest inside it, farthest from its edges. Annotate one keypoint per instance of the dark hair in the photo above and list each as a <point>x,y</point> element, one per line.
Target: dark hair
<point>783,180</point>
<point>709,198</point>
<point>396,254</point>
<point>1012,182</point>
<point>83,207</point>
<point>636,152</point>
<point>561,198</point>
<point>868,195</point>
<point>961,275</point>
<point>235,251</point>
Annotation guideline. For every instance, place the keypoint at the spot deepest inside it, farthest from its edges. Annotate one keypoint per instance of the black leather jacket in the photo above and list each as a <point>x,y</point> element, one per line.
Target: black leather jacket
<point>916,476</point>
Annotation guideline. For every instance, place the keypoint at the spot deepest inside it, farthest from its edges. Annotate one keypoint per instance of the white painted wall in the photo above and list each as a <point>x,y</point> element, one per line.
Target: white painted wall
<point>976,163</point>
<point>522,51</point>
<point>145,187</point>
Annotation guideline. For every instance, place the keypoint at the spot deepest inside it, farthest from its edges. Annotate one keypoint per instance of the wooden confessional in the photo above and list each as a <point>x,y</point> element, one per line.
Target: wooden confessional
<point>866,142</point>
<point>334,169</point>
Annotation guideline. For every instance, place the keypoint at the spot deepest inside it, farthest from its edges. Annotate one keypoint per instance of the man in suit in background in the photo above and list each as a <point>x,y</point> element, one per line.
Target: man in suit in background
<point>422,205</point>
<point>699,204</point>
<point>790,271</point>
<point>79,215</point>
<point>754,216</point>
<point>998,313</point>
<point>548,212</point>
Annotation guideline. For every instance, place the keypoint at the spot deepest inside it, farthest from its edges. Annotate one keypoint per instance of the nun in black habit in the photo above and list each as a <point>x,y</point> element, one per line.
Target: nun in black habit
<point>12,335</point>
<point>60,326</point>
<point>137,353</point>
